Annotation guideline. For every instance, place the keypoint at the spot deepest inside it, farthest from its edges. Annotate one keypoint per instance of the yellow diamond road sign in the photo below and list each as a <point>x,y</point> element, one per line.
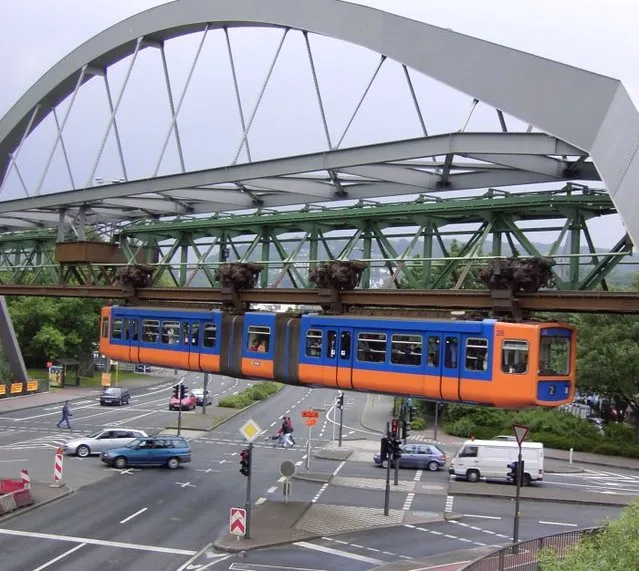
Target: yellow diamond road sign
<point>250,430</point>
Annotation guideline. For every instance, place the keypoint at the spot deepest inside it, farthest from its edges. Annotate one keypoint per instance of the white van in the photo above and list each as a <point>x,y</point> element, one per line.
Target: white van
<point>490,458</point>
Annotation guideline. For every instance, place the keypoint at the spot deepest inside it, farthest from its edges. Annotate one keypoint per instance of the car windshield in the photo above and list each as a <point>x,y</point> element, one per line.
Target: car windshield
<point>112,391</point>
<point>95,434</point>
<point>134,443</point>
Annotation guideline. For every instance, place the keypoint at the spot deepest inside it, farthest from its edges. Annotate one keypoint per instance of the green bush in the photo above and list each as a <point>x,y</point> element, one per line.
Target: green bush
<point>257,392</point>
<point>619,432</point>
<point>463,427</point>
<point>418,424</point>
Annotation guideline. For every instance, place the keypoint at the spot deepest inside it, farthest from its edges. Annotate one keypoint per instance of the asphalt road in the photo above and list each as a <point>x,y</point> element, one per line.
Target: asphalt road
<point>161,519</point>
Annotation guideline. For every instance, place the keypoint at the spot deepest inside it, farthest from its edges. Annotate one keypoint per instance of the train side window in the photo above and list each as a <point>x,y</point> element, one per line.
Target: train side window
<point>433,351</point>
<point>514,356</point>
<point>476,354</point>
<point>105,327</point>
<point>331,344</point>
<point>371,347</point>
<point>406,349</point>
<point>116,331</point>
<point>450,352</point>
<point>134,330</point>
<point>345,345</point>
<point>259,338</point>
<point>209,335</point>
<point>150,330</point>
<point>170,332</point>
<point>195,335</point>
<point>314,343</point>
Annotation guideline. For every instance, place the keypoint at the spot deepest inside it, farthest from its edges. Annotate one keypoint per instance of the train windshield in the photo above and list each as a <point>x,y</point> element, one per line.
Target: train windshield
<point>554,351</point>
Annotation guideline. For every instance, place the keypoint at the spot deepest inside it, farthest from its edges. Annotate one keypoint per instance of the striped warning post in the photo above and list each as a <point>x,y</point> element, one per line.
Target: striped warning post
<point>57,466</point>
<point>26,479</point>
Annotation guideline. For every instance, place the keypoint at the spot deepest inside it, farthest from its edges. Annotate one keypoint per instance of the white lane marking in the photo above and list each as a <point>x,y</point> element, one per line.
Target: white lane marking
<point>339,552</point>
<point>15,460</point>
<point>299,462</point>
<point>431,567</point>
<point>559,523</point>
<point>61,556</point>
<point>129,419</point>
<point>418,475</point>
<point>449,504</point>
<point>336,471</point>
<point>260,501</point>
<point>91,541</point>
<point>317,496</point>
<point>218,557</point>
<point>409,500</point>
<point>256,566</point>
<point>134,515</point>
<point>281,480</point>
<point>482,516</point>
<point>271,489</point>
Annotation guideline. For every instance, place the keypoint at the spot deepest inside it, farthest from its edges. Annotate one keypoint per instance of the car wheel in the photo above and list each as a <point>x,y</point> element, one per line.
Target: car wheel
<point>173,463</point>
<point>472,476</point>
<point>384,463</point>
<point>82,451</point>
<point>121,402</point>
<point>527,480</point>
<point>120,462</point>
<point>433,466</point>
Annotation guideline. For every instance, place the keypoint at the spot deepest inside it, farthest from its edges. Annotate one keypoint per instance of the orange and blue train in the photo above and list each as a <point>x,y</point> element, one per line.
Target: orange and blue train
<point>487,362</point>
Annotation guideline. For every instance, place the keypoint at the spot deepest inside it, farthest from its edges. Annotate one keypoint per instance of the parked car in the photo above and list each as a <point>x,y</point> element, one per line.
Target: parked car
<point>426,456</point>
<point>142,368</point>
<point>161,450</point>
<point>199,396</point>
<point>187,403</point>
<point>102,440</point>
<point>114,395</point>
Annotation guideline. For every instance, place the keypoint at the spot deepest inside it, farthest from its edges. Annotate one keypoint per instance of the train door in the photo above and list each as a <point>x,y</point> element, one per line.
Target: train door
<point>338,358</point>
<point>193,334</point>
<point>134,334</point>
<point>449,386</point>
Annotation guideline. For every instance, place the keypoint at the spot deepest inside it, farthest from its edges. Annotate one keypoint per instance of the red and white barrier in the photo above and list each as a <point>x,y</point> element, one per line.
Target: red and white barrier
<point>14,493</point>
<point>58,467</point>
<point>26,479</point>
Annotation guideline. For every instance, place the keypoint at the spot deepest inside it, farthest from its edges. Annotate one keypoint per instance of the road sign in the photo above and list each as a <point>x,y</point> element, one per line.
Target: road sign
<point>520,432</point>
<point>250,430</point>
<point>237,522</point>
<point>287,469</point>
<point>311,421</point>
<point>310,414</point>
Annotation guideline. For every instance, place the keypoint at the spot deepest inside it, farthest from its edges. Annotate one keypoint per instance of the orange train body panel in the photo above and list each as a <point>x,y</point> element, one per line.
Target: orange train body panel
<point>260,368</point>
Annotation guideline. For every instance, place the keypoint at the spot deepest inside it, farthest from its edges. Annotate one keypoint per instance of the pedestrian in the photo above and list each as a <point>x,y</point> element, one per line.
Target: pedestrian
<point>66,413</point>
<point>289,428</point>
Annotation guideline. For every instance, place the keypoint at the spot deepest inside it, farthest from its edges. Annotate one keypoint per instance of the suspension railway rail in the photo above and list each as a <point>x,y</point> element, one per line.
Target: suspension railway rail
<point>380,299</point>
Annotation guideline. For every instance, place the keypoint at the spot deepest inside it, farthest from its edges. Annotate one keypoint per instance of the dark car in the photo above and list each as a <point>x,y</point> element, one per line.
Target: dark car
<point>424,456</point>
<point>114,395</point>
<point>161,450</point>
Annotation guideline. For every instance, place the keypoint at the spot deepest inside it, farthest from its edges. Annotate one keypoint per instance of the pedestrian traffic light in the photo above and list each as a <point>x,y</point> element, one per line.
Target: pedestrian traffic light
<point>514,471</point>
<point>385,449</point>
<point>245,462</point>
<point>405,429</point>
<point>182,391</point>
<point>411,414</point>
<point>176,391</point>
<point>396,447</point>
<point>394,428</point>
<point>340,401</point>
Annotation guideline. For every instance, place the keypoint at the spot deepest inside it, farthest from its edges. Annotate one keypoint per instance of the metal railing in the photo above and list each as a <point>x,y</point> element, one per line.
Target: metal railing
<point>522,556</point>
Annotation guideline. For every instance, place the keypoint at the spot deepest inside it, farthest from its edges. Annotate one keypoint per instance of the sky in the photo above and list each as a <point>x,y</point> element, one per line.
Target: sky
<point>594,35</point>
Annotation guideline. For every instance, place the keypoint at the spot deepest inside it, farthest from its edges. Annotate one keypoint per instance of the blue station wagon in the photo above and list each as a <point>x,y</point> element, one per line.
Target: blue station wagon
<point>424,456</point>
<point>162,450</point>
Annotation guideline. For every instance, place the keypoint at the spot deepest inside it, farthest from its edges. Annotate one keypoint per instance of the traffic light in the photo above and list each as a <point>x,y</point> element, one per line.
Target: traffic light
<point>405,429</point>
<point>396,449</point>
<point>176,391</point>
<point>515,470</point>
<point>245,462</point>
<point>394,428</point>
<point>411,414</point>
<point>182,391</point>
<point>385,449</point>
<point>340,401</point>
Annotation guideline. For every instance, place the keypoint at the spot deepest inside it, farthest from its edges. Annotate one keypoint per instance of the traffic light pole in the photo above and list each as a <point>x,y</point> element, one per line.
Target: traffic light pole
<point>179,428</point>
<point>247,503</point>
<point>388,464</point>
<point>341,425</point>
<point>206,386</point>
<point>517,496</point>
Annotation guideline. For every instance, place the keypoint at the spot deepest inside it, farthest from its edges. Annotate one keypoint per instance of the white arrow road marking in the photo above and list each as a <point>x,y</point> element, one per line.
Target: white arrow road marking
<point>210,554</point>
<point>338,552</point>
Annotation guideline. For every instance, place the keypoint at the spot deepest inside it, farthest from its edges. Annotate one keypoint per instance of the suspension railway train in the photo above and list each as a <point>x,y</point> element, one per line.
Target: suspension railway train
<point>508,365</point>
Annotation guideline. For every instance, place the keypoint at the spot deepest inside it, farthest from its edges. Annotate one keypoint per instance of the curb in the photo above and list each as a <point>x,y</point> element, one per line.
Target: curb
<point>593,502</point>
<point>37,505</point>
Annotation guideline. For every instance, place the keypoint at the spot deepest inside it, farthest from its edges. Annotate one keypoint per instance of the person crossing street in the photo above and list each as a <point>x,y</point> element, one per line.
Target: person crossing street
<point>66,413</point>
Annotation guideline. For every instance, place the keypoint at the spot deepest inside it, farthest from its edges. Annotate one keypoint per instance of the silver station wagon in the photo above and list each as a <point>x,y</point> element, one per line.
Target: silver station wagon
<point>102,440</point>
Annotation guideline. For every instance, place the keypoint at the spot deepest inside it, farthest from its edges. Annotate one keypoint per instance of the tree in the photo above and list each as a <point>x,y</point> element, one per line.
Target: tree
<point>614,548</point>
<point>54,328</point>
<point>608,359</point>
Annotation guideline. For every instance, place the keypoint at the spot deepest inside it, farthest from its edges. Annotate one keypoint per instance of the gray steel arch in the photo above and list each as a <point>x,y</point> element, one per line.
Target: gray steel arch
<point>592,112</point>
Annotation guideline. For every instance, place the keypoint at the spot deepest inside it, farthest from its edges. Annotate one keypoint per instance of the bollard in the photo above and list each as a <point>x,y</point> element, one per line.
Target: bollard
<point>57,468</point>
<point>26,479</point>
<point>570,457</point>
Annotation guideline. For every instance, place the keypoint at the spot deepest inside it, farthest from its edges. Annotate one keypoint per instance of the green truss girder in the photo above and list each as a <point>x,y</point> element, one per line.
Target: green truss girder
<point>406,244</point>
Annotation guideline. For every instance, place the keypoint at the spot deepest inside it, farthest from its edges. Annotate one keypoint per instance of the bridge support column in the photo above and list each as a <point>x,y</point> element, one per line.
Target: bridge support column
<point>10,344</point>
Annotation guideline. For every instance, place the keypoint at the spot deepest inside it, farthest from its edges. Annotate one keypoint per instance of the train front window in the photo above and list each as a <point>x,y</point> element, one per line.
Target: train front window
<point>314,343</point>
<point>514,356</point>
<point>116,332</point>
<point>554,355</point>
<point>371,347</point>
<point>259,338</point>
<point>406,349</point>
<point>105,327</point>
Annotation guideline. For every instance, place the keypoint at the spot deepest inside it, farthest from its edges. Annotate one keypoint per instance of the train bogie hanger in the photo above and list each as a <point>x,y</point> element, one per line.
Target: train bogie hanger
<point>487,362</point>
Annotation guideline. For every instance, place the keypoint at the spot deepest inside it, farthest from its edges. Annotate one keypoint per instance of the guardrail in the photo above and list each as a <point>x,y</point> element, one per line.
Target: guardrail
<point>522,556</point>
